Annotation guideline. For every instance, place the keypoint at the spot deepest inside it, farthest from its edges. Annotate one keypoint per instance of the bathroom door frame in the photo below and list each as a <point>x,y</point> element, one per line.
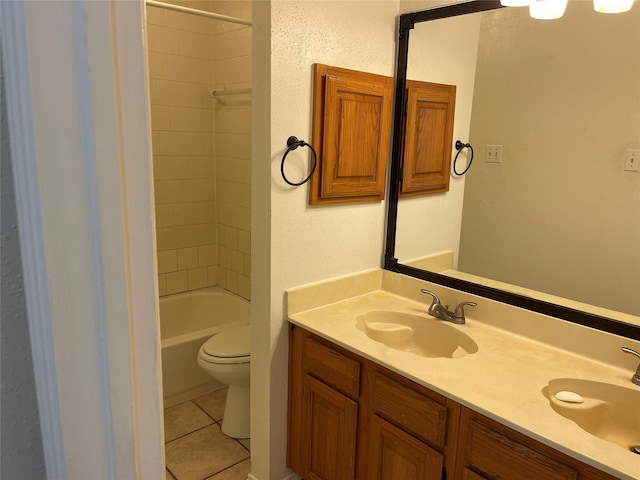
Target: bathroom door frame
<point>78,113</point>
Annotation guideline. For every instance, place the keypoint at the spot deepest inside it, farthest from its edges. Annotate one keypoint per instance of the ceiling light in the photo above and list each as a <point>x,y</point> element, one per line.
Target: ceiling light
<point>547,9</point>
<point>612,6</point>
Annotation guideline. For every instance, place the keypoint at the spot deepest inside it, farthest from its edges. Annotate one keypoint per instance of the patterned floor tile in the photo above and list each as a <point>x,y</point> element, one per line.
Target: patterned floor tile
<point>183,418</point>
<point>237,472</point>
<point>213,403</point>
<point>202,454</point>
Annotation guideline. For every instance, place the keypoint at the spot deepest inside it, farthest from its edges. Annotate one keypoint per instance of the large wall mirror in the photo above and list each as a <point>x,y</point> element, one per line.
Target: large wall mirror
<point>555,226</point>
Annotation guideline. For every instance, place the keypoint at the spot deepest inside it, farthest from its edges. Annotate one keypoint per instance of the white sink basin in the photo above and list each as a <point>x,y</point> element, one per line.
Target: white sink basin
<point>609,412</point>
<point>422,335</point>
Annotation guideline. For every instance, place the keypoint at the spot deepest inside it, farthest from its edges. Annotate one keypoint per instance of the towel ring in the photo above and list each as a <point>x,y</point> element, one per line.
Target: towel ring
<point>292,144</point>
<point>459,147</point>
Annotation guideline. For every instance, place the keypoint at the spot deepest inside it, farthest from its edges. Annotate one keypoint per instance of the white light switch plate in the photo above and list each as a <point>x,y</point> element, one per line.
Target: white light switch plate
<point>632,161</point>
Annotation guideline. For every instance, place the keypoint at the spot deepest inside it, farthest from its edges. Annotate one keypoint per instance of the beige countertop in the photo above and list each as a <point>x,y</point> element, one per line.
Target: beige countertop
<point>503,380</point>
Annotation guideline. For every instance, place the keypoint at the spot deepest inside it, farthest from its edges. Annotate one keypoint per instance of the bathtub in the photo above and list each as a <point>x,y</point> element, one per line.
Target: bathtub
<point>187,320</point>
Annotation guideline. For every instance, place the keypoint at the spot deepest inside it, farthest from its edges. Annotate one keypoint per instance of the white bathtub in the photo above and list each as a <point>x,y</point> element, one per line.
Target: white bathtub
<point>187,320</point>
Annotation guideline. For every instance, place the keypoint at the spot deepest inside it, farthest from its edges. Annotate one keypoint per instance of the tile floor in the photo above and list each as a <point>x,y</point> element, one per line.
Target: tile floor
<point>196,449</point>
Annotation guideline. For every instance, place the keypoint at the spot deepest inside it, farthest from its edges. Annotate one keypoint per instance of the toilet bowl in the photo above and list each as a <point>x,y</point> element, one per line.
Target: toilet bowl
<point>226,357</point>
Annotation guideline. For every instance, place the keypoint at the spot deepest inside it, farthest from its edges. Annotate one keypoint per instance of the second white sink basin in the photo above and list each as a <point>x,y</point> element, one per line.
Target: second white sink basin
<point>422,335</point>
<point>609,412</point>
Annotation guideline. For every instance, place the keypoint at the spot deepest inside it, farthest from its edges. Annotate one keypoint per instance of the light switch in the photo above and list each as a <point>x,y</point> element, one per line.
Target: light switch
<point>493,154</point>
<point>632,160</point>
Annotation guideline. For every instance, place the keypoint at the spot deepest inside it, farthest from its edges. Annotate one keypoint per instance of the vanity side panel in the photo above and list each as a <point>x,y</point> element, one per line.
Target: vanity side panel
<point>294,415</point>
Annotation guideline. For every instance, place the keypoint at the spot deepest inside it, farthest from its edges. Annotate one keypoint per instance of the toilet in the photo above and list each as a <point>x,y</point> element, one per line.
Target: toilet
<point>226,357</point>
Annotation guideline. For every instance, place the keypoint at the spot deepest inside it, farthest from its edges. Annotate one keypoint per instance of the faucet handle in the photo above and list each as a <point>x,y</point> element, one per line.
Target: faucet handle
<point>458,314</point>
<point>636,377</point>
<point>436,299</point>
<point>630,350</point>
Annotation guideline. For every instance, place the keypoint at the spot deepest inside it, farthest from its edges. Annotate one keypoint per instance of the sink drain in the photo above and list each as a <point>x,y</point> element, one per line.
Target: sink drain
<point>635,449</point>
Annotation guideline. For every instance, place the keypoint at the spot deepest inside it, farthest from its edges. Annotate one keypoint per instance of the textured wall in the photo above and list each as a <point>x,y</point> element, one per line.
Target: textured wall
<point>21,454</point>
<point>301,243</point>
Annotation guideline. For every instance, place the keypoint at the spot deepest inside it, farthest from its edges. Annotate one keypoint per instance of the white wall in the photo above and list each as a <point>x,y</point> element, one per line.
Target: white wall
<point>305,244</point>
<point>560,197</point>
<point>432,46</point>
<point>21,455</point>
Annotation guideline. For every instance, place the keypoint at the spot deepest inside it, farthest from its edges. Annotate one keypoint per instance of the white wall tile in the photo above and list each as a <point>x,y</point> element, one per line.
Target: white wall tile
<point>177,282</point>
<point>167,261</point>
<point>162,167</point>
<point>187,258</point>
<point>162,284</point>
<point>207,255</point>
<point>164,216</point>
<point>174,237</point>
<point>212,276</point>
<point>244,241</point>
<point>183,214</point>
<point>156,16</point>
<point>190,198</point>
<point>197,278</point>
<point>157,65</point>
<point>244,286</point>
<point>181,119</point>
<point>169,143</point>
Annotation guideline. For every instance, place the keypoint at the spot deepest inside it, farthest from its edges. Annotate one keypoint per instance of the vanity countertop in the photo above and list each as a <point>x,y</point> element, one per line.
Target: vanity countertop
<point>503,380</point>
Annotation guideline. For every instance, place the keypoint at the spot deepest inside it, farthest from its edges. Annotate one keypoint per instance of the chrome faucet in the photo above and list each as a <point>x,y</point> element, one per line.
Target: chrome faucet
<point>442,311</point>
<point>636,376</point>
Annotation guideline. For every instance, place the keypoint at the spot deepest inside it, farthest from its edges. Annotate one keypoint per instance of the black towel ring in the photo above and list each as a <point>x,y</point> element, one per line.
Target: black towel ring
<point>459,147</point>
<point>292,144</point>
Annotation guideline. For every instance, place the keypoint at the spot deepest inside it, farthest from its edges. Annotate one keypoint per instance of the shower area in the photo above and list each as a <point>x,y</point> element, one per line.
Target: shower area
<point>199,57</point>
<point>200,95</point>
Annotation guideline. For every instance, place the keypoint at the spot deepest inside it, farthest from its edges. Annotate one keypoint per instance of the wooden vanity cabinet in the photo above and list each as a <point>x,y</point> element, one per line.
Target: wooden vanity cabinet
<point>323,409</point>
<point>350,418</point>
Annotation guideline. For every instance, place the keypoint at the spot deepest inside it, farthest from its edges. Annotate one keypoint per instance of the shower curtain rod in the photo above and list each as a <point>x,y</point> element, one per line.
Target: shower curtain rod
<point>193,11</point>
<point>220,94</point>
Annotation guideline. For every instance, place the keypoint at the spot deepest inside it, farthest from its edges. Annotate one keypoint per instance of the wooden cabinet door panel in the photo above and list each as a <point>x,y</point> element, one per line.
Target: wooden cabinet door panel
<point>328,432</point>
<point>428,138</point>
<point>394,455</point>
<point>355,138</point>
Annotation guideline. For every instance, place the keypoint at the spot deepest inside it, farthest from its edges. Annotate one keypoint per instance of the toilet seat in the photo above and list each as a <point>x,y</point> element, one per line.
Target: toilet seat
<point>230,346</point>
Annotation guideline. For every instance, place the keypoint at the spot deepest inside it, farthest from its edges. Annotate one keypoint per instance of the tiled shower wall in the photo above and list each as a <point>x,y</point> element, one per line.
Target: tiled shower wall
<point>201,147</point>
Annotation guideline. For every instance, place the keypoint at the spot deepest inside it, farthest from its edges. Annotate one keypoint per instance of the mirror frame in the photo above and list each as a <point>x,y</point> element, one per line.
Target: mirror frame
<point>406,23</point>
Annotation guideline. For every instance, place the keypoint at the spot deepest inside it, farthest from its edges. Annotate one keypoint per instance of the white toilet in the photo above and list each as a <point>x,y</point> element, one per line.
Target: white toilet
<point>226,357</point>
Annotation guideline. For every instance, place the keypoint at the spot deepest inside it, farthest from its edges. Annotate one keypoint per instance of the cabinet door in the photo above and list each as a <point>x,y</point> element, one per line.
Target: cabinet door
<point>328,432</point>
<point>394,454</point>
<point>428,138</point>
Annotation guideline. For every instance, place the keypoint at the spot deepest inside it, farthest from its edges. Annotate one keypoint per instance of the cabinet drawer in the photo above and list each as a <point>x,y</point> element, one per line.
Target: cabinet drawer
<point>498,456</point>
<point>332,367</point>
<point>407,408</point>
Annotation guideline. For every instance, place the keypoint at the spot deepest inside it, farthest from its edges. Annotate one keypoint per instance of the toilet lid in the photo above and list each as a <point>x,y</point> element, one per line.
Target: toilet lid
<point>231,343</point>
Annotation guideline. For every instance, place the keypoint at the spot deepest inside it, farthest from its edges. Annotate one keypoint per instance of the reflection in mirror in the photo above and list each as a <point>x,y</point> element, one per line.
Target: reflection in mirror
<point>558,218</point>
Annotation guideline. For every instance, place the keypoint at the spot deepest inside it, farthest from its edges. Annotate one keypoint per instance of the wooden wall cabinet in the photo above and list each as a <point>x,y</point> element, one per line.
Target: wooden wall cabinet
<point>350,418</point>
<point>351,134</point>
<point>428,141</point>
